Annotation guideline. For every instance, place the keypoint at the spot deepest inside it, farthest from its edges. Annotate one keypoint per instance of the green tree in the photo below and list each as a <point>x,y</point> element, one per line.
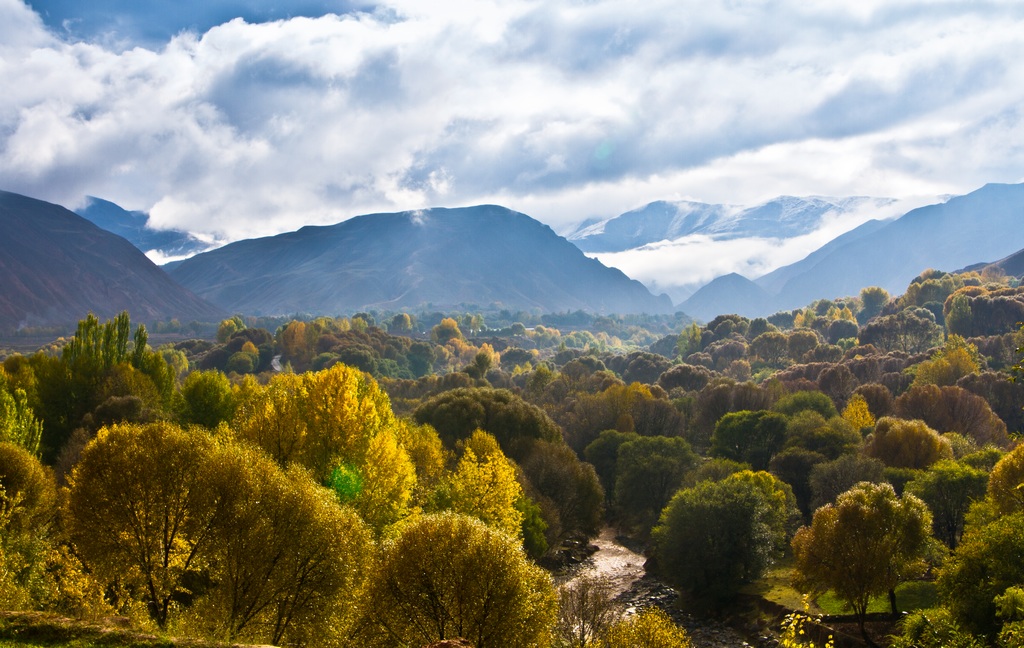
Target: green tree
<point>832,438</point>
<point>750,437</point>
<point>451,576</point>
<point>716,536</point>
<point>557,479</point>
<point>603,455</point>
<point>949,488</point>
<point>456,414</point>
<point>649,471</point>
<point>872,300</point>
<point>18,423</point>
<point>862,546</point>
<point>206,399</point>
<point>984,566</point>
<point>800,401</point>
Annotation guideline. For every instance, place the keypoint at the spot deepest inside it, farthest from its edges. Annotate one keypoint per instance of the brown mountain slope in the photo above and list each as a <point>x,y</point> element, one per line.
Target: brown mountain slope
<point>57,266</point>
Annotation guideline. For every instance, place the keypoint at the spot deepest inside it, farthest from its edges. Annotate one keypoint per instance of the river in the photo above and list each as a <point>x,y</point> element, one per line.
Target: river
<point>624,570</point>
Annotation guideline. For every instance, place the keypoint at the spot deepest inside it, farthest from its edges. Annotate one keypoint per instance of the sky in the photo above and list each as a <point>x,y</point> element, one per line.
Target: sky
<point>238,119</point>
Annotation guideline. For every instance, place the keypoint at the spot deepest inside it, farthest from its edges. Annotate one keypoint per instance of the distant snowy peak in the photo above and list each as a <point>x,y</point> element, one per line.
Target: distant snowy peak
<point>782,217</point>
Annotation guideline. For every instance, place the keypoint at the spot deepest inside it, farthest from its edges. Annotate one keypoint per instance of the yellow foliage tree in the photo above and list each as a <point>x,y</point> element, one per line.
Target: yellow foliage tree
<point>651,628</point>
<point>484,485</point>
<point>857,413</point>
<point>450,576</point>
<point>138,509</point>
<point>958,358</point>
<point>388,479</point>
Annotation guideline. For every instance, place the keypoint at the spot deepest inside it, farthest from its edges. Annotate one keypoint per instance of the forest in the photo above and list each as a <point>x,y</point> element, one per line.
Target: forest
<point>399,479</point>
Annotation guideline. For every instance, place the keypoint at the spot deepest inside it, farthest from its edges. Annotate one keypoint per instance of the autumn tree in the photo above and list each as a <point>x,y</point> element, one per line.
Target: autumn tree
<point>286,562</point>
<point>772,347</point>
<point>863,546</point>
<point>953,409</point>
<point>139,509</point>
<point>857,412</point>
<point>906,444</point>
<point>27,510</point>
<point>872,299</point>
<point>1005,489</point>
<point>650,628</point>
<point>450,576</point>
<point>484,485</point>
<point>586,610</point>
<point>830,479</point>
<point>957,358</point>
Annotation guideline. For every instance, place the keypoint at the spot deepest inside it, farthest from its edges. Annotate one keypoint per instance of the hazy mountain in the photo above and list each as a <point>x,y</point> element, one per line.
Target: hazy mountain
<point>1012,265</point>
<point>731,293</point>
<point>984,224</point>
<point>780,218</point>
<point>134,226</point>
<point>774,281</point>
<point>437,258</point>
<point>57,266</point>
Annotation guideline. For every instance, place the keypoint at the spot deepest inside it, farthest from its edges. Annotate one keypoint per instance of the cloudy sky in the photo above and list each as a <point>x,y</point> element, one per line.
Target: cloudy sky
<point>248,118</point>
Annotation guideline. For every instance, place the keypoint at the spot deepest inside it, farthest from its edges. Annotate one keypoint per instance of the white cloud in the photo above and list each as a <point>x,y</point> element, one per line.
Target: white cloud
<point>563,110</point>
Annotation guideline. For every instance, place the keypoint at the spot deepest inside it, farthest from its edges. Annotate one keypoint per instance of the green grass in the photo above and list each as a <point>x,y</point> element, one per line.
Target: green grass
<point>776,586</point>
<point>910,596</point>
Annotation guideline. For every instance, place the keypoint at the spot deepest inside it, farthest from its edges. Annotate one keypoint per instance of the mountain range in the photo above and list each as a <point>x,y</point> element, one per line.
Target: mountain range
<point>159,244</point>
<point>980,226</point>
<point>57,266</point>
<point>485,256</point>
<point>779,218</point>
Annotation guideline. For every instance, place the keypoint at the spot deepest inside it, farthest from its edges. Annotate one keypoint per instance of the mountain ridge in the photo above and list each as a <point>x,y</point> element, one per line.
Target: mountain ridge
<point>437,257</point>
<point>59,266</point>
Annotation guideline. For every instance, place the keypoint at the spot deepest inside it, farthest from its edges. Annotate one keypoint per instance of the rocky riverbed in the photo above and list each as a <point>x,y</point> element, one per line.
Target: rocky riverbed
<point>623,567</point>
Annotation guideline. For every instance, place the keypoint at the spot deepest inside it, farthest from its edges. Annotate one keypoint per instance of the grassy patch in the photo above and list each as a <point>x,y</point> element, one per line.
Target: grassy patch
<point>776,586</point>
<point>35,630</point>
<point>910,596</point>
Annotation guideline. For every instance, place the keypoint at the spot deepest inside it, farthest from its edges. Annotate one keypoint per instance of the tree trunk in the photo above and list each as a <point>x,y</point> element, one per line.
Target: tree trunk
<point>892,602</point>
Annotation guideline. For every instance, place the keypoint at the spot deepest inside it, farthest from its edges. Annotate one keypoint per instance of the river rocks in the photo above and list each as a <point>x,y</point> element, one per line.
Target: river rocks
<point>704,633</point>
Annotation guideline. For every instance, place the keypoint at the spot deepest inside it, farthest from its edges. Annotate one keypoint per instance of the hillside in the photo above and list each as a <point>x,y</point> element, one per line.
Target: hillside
<point>439,258</point>
<point>57,266</point>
